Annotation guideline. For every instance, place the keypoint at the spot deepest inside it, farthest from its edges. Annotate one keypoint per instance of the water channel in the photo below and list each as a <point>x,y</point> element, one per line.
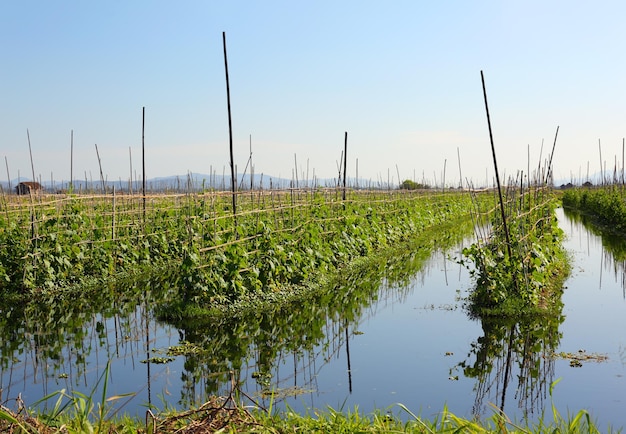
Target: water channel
<point>387,340</point>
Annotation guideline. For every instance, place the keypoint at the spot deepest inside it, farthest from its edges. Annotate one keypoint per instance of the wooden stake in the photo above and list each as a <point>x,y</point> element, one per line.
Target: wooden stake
<point>6,162</point>
<point>345,164</point>
<point>100,166</point>
<point>230,138</point>
<point>549,176</point>
<point>601,169</point>
<point>130,179</point>
<point>143,161</point>
<point>32,166</point>
<point>495,165</point>
<point>458,157</point>
<point>71,161</point>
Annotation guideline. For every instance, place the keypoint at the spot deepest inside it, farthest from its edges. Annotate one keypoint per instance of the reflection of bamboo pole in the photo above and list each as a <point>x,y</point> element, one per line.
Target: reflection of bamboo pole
<point>348,357</point>
<point>507,368</point>
<point>149,382</point>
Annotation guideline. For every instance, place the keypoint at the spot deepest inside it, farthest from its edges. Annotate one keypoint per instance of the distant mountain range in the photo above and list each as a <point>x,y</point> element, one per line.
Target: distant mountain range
<point>200,182</point>
<point>189,182</point>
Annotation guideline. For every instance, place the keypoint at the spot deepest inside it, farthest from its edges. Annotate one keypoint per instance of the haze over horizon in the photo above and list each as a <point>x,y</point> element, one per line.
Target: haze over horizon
<point>402,78</point>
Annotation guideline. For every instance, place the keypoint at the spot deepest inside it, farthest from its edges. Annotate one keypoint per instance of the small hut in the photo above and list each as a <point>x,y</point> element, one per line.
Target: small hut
<point>28,187</point>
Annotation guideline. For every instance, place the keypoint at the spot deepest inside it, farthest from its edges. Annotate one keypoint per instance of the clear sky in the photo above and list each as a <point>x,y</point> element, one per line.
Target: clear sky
<point>401,77</point>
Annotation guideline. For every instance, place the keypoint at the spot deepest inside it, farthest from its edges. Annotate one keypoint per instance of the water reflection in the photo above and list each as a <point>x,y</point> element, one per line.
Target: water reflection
<point>282,351</point>
<point>387,332</point>
<point>509,350</point>
<point>613,257</point>
<point>64,341</point>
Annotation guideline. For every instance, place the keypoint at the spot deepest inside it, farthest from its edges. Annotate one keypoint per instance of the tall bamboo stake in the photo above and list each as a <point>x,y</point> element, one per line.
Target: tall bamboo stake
<point>71,160</point>
<point>345,164</point>
<point>230,138</point>
<point>458,157</point>
<point>30,151</point>
<point>339,163</point>
<point>100,167</point>
<point>443,181</point>
<point>601,169</point>
<point>143,161</point>
<point>295,165</point>
<point>495,166</point>
<point>130,179</point>
<point>251,166</point>
<point>113,217</point>
<point>549,176</point>
<point>6,162</point>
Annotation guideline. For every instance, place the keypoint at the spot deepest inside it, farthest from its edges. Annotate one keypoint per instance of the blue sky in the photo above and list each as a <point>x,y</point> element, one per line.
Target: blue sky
<point>401,77</point>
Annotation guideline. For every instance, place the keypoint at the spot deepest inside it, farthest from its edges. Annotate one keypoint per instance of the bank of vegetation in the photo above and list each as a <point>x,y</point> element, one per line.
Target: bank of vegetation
<point>276,239</point>
<point>518,262</point>
<point>604,206</point>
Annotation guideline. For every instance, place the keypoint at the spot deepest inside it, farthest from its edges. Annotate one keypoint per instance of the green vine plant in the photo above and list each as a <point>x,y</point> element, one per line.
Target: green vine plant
<point>526,274</point>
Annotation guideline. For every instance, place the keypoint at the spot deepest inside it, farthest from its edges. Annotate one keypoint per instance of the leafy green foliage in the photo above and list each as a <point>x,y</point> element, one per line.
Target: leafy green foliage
<point>520,271</point>
<point>280,238</point>
<point>607,206</point>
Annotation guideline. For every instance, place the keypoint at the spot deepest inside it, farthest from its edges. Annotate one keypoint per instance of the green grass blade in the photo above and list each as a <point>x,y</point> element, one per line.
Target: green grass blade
<point>414,416</point>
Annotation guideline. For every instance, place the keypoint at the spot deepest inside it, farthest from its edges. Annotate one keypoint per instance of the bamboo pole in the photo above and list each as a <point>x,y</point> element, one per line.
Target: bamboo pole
<point>130,179</point>
<point>143,162</point>
<point>549,176</point>
<point>113,217</point>
<point>495,165</point>
<point>30,151</point>
<point>230,138</point>
<point>601,169</point>
<point>295,164</point>
<point>458,157</point>
<point>6,162</point>
<point>71,161</point>
<point>345,164</point>
<point>443,181</point>
<point>100,167</point>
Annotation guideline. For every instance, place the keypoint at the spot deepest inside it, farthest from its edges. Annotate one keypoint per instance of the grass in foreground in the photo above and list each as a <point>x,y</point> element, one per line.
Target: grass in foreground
<point>224,415</point>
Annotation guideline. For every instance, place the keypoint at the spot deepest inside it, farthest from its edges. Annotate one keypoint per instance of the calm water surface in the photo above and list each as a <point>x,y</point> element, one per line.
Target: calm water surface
<point>395,341</point>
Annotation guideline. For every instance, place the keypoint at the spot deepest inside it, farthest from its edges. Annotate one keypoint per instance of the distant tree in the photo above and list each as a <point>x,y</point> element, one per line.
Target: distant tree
<point>407,184</point>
